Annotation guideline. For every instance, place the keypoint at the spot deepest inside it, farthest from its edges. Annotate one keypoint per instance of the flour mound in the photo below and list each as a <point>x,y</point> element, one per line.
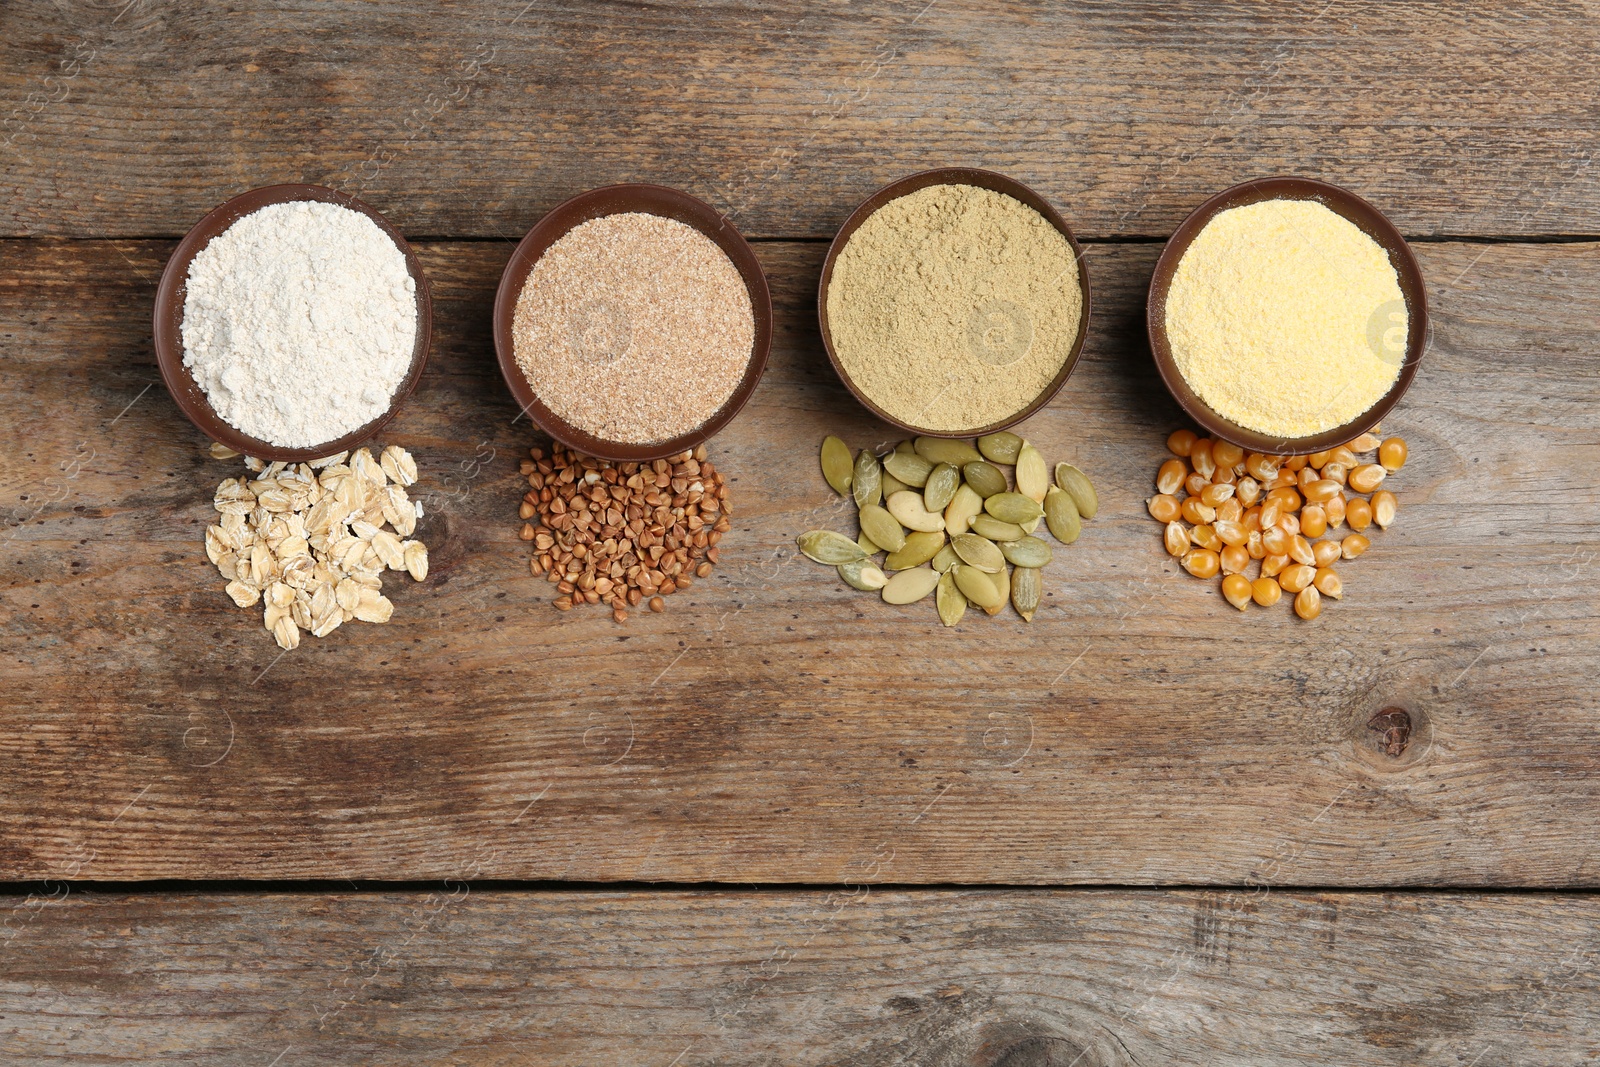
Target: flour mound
<point>300,322</point>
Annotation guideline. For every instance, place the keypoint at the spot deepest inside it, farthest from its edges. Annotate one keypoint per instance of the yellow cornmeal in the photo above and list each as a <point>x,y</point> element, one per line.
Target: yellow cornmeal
<point>953,307</point>
<point>1286,318</point>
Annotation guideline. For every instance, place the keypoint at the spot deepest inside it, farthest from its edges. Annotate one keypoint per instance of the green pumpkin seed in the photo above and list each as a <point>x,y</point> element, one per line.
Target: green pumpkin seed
<point>1061,515</point>
<point>961,509</point>
<point>828,547</point>
<point>920,548</point>
<point>1002,585</point>
<point>985,478</point>
<point>907,507</point>
<point>943,481</point>
<point>946,450</point>
<point>866,483</point>
<point>1032,527</point>
<point>864,575</point>
<point>995,530</point>
<point>1033,478</point>
<point>1000,447</point>
<point>979,552</point>
<point>977,586</point>
<point>909,468</point>
<point>945,558</point>
<point>910,586</point>
<point>878,525</point>
<point>1013,507</point>
<point>1027,552</point>
<point>868,546</point>
<point>889,485</point>
<point>1027,585</point>
<point>837,464</point>
<point>1076,484</point>
<point>906,447</point>
<point>952,603</point>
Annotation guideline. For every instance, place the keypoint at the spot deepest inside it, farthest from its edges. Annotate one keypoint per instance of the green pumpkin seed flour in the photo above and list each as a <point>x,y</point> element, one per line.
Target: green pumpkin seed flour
<point>953,307</point>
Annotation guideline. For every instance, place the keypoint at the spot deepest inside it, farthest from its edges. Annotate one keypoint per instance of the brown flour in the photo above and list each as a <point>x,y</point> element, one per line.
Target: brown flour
<point>634,327</point>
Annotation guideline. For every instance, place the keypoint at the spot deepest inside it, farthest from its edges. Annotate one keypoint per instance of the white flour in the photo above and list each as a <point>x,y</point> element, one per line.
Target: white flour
<point>300,322</point>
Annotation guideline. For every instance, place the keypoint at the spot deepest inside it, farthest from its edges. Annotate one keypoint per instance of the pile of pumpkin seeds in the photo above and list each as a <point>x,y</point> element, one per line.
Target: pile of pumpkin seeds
<point>948,521</point>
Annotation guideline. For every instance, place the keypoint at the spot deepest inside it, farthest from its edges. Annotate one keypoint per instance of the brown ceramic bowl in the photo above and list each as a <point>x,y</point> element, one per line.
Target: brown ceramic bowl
<point>614,200</point>
<point>983,179</point>
<point>1342,202</point>
<point>173,290</point>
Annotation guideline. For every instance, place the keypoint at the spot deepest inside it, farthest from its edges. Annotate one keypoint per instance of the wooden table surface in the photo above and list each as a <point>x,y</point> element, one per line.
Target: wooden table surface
<point>783,822</point>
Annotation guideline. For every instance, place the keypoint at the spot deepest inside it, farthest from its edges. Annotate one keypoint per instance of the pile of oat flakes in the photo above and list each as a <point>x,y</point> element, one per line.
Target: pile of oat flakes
<point>308,539</point>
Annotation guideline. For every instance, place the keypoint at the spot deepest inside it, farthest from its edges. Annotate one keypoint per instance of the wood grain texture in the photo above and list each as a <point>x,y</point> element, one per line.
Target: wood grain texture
<point>775,725</point>
<point>944,979</point>
<point>135,117</point>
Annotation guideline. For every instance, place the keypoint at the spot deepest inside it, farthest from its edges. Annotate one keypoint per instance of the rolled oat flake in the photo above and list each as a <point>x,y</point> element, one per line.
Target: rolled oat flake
<point>300,322</point>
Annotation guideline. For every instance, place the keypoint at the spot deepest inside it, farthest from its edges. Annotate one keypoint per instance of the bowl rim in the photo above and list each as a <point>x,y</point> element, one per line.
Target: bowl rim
<point>616,199</point>
<point>1347,205</point>
<point>983,179</point>
<point>167,325</point>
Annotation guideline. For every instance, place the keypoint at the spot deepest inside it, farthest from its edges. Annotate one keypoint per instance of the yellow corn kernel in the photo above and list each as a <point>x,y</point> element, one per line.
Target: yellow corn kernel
<point>1273,565</point>
<point>1359,514</point>
<point>1275,541</point>
<point>1308,603</point>
<point>1354,545</point>
<point>1300,550</point>
<point>1261,467</point>
<point>1236,590</point>
<point>1230,511</point>
<point>1265,591</point>
<point>1365,443</point>
<point>1227,454</point>
<point>1231,533</point>
<point>1164,508</point>
<point>1313,520</point>
<point>1212,496</point>
<point>1169,479</point>
<point>1202,563</point>
<point>1248,491</point>
<point>1326,552</point>
<point>1180,441</point>
<point>1384,505</point>
<point>1196,512</point>
<point>1322,490</point>
<point>1296,576</point>
<point>1205,535</point>
<point>1367,477</point>
<point>1334,511</point>
<point>1290,498</point>
<point>1253,546</point>
<point>1176,538</point>
<point>1234,559</point>
<point>1328,583</point>
<point>1200,458</point>
<point>1392,454</point>
<point>1196,484</point>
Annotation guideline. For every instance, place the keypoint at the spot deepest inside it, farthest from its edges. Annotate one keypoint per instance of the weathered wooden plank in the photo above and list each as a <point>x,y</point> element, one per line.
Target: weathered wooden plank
<point>774,725</point>
<point>470,119</point>
<point>977,979</point>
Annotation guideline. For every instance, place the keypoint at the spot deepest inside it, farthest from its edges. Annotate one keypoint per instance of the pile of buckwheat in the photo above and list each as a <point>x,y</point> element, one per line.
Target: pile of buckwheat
<point>622,533</point>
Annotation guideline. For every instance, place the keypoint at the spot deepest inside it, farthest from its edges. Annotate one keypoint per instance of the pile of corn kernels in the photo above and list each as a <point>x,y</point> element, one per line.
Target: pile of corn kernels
<point>1225,509</point>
